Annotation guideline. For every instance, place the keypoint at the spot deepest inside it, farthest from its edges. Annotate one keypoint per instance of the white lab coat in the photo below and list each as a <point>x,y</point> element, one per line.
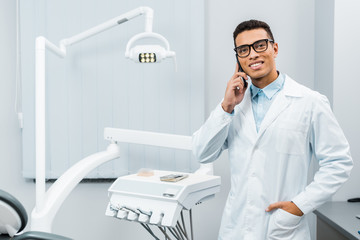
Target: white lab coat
<point>272,165</point>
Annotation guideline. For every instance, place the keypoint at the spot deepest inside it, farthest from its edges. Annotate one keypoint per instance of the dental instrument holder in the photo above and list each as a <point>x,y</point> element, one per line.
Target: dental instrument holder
<point>48,202</point>
<point>162,200</point>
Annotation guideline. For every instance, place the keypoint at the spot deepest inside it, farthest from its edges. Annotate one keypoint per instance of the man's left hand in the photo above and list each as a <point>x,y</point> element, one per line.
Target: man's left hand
<point>288,206</point>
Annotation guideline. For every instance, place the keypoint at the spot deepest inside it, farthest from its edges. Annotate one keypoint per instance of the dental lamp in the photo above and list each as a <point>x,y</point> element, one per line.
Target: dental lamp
<point>48,202</point>
<point>148,53</point>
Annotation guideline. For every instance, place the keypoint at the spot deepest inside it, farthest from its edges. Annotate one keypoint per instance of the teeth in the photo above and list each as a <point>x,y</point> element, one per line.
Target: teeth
<point>255,64</point>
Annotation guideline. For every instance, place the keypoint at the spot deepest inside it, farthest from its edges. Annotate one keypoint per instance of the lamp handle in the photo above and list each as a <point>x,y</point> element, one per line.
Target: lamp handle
<point>145,35</point>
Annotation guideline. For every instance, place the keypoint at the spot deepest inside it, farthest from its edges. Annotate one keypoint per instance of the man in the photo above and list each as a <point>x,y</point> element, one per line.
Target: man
<point>272,129</point>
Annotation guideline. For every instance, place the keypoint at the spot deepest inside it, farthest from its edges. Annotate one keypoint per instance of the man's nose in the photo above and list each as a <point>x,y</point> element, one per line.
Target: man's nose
<point>253,54</point>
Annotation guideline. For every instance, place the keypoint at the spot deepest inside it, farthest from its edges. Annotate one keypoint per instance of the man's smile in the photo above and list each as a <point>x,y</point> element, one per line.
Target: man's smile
<point>256,65</point>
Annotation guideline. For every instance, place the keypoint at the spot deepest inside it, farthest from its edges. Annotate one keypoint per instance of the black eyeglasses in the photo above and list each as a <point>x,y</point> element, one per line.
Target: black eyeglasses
<point>258,46</point>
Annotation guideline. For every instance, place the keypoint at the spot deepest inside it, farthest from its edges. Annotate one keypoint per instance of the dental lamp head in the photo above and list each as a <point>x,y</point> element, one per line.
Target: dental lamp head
<point>148,53</point>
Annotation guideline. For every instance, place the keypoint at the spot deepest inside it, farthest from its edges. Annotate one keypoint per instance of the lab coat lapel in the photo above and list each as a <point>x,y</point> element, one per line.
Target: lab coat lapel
<point>280,103</point>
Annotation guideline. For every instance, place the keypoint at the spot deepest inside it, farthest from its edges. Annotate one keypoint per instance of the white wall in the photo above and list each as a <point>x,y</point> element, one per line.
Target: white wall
<point>82,215</point>
<point>324,47</point>
<point>346,84</point>
<point>336,74</point>
<point>10,134</point>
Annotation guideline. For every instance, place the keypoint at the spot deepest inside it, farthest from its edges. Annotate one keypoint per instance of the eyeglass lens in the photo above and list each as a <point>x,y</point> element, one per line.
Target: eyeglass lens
<point>258,46</point>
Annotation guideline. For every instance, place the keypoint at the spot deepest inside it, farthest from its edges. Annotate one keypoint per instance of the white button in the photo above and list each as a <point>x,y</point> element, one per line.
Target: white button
<point>143,218</point>
<point>122,214</point>
<point>156,218</point>
<point>132,216</point>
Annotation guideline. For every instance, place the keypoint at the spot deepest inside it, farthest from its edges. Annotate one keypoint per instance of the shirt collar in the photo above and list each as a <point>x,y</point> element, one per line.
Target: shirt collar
<point>271,89</point>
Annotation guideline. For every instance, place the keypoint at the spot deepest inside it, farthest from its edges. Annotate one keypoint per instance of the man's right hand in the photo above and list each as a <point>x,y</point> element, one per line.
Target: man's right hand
<point>235,91</point>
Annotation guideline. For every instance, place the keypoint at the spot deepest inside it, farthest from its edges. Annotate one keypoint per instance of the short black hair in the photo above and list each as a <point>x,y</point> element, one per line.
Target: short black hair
<point>251,25</point>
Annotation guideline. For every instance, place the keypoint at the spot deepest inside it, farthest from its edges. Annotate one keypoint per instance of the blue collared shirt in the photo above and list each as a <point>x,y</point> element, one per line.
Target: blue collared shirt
<point>262,98</point>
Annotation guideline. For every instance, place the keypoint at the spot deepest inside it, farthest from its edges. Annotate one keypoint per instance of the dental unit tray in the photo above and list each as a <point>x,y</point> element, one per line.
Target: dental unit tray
<point>148,200</point>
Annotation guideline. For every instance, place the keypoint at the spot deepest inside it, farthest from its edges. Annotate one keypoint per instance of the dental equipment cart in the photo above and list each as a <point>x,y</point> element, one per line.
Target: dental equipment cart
<point>151,201</point>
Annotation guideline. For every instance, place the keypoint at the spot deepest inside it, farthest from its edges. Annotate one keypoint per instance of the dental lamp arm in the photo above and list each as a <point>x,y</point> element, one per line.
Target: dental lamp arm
<point>40,86</point>
<point>149,13</point>
<point>40,99</point>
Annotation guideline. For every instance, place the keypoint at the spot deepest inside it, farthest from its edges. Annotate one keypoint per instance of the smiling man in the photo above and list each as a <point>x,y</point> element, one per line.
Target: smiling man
<point>272,128</point>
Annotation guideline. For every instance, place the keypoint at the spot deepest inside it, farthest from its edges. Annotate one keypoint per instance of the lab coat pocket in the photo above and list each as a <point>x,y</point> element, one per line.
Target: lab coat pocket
<point>291,137</point>
<point>283,226</point>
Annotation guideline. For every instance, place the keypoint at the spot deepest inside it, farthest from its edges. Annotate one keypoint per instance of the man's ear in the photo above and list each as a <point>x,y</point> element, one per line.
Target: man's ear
<point>276,49</point>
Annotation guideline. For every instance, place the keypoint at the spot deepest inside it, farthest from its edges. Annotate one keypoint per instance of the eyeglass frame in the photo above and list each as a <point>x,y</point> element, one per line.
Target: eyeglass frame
<point>267,40</point>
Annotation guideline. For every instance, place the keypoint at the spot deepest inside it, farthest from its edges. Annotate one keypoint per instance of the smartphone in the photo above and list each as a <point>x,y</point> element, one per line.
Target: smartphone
<point>173,177</point>
<point>241,70</point>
